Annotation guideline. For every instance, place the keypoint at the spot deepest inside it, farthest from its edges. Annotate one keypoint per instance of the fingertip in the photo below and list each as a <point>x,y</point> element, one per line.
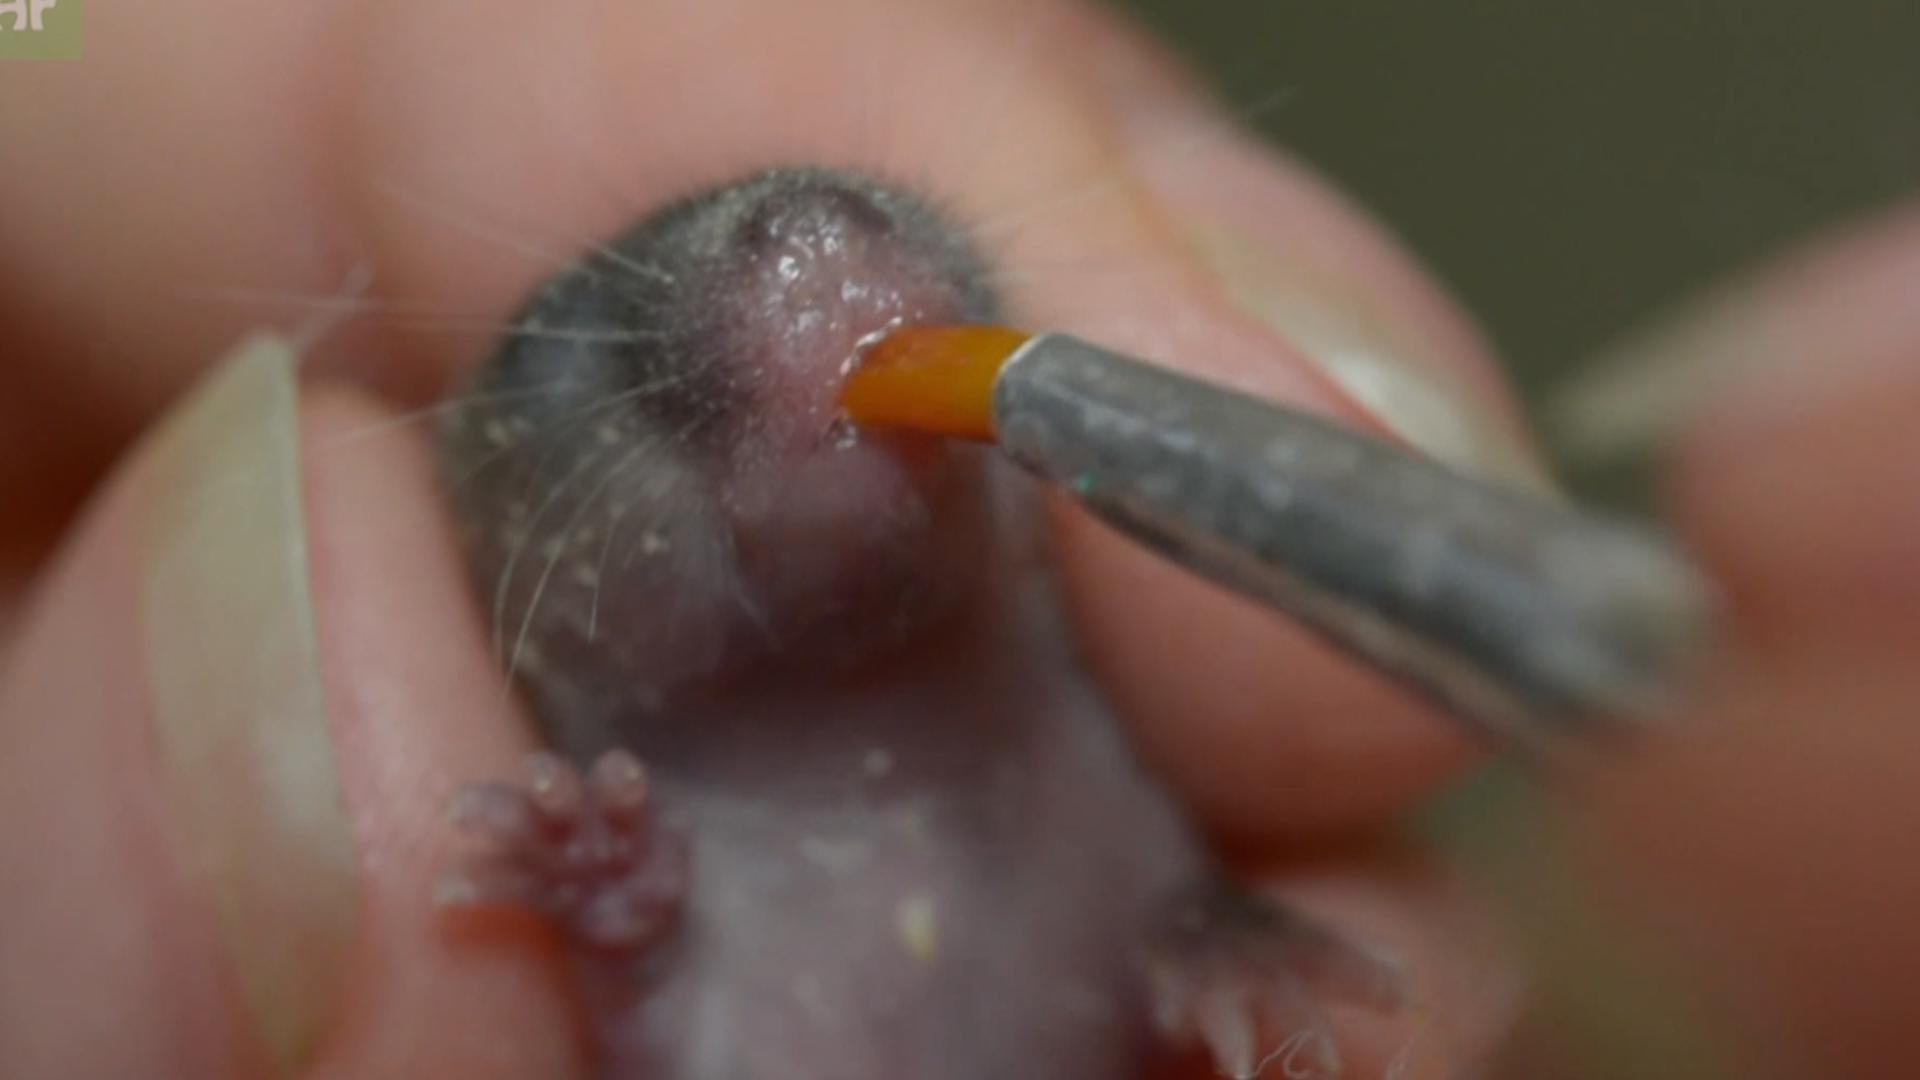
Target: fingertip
<point>1265,729</point>
<point>122,957</point>
<point>1792,480</point>
<point>418,709</point>
<point>114,960</point>
<point>1730,900</point>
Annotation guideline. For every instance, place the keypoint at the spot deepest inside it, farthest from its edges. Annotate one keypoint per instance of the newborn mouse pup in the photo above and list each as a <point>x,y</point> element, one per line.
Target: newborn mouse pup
<point>829,798</point>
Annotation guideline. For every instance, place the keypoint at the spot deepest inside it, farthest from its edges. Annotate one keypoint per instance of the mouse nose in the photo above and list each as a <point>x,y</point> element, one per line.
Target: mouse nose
<point>821,262</point>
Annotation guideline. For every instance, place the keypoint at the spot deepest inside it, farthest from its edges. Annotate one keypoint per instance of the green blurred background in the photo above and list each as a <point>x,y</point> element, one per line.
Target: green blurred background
<point>1571,167</point>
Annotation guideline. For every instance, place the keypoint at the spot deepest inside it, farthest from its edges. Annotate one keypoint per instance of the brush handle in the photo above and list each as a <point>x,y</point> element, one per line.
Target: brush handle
<point>1532,619</point>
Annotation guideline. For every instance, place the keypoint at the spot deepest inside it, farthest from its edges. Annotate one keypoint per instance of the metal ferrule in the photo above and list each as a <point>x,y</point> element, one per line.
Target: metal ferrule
<point>1530,618</point>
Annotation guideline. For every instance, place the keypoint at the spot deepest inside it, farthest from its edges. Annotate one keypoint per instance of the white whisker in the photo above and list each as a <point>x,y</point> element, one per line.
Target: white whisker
<point>517,245</point>
<point>579,416</point>
<point>529,532</point>
<point>411,316</point>
<point>600,576</point>
<point>320,324</point>
<point>559,544</point>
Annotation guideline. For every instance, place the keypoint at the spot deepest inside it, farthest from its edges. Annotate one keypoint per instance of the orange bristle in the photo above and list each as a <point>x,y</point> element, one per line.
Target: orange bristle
<point>932,379</point>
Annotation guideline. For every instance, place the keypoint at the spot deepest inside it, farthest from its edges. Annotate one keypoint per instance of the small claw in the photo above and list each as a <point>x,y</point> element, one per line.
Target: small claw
<point>641,908</point>
<point>583,850</point>
<point>1227,1026</point>
<point>1310,1048</point>
<point>456,889</point>
<point>498,815</point>
<point>618,783</point>
<point>1231,967</point>
<point>1349,971</point>
<point>555,787</point>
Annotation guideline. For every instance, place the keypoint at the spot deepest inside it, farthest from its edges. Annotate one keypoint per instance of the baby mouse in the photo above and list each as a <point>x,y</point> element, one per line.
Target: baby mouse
<point>829,797</point>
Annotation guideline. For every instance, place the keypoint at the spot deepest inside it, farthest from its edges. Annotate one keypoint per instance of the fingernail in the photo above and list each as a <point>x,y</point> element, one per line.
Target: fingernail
<point>1635,395</point>
<point>1832,322</point>
<point>239,712</point>
<point>1363,348</point>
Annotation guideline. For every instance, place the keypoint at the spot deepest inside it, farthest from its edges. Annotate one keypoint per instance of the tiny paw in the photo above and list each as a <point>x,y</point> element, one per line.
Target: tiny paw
<point>589,852</point>
<point>1243,978</point>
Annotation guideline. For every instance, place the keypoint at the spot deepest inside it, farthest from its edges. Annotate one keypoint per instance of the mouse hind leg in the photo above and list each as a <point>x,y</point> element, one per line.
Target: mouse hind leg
<point>1242,978</point>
